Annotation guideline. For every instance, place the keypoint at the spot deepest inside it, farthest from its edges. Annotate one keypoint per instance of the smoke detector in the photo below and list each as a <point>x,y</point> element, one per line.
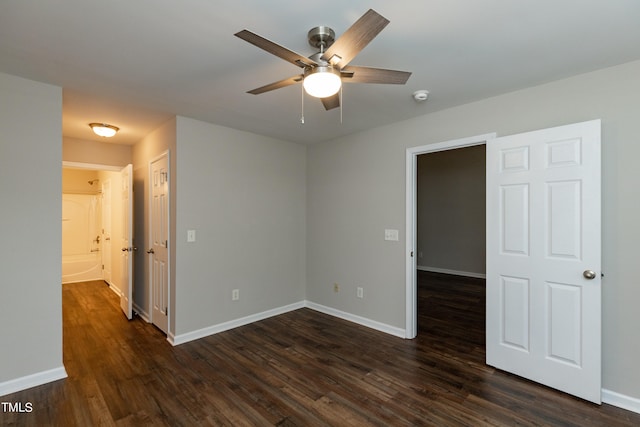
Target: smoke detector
<point>420,95</point>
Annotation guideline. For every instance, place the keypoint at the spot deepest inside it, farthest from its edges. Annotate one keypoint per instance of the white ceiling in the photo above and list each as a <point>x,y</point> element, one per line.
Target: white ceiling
<point>135,64</point>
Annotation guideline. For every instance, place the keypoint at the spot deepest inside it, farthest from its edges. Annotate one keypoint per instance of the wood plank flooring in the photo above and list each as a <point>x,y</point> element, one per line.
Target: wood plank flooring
<point>299,369</point>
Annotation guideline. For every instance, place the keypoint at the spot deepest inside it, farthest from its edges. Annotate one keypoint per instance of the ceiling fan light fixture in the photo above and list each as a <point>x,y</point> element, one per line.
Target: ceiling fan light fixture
<point>322,82</point>
<point>103,129</point>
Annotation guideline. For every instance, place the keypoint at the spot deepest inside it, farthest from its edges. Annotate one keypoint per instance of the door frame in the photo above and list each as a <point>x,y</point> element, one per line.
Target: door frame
<point>91,166</point>
<point>411,311</point>
<point>167,154</point>
<point>109,264</point>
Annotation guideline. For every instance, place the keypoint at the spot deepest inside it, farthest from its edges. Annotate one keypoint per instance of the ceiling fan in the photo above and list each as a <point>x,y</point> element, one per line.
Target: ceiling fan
<point>323,72</point>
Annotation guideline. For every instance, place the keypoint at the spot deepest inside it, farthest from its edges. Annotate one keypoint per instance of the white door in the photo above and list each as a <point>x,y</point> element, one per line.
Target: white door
<point>126,297</point>
<point>543,257</point>
<point>106,231</point>
<point>159,252</point>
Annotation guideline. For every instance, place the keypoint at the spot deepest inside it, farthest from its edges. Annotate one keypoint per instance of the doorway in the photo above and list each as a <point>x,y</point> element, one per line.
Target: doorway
<point>413,252</point>
<point>94,183</point>
<point>451,242</point>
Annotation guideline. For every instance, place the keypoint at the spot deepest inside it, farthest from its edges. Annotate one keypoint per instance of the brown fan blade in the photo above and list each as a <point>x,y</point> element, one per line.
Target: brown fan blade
<point>277,85</point>
<point>354,74</point>
<point>331,102</point>
<point>352,41</point>
<point>275,49</point>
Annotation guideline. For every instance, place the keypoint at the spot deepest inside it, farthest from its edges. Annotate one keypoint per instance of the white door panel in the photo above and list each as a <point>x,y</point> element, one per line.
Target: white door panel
<point>126,298</point>
<point>159,252</point>
<point>543,232</point>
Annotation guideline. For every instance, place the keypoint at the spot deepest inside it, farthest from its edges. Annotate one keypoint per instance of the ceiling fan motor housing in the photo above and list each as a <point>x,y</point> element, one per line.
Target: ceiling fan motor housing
<point>321,37</point>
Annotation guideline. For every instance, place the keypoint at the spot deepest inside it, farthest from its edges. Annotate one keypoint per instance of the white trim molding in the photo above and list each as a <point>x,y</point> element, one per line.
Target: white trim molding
<point>621,401</point>
<point>80,165</point>
<point>231,324</point>
<point>115,289</point>
<point>32,380</point>
<point>382,327</point>
<point>454,272</point>
<point>141,313</point>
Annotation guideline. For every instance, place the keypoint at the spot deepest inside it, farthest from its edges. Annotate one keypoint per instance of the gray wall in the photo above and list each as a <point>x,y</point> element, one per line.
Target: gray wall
<point>356,189</point>
<point>30,254</point>
<point>244,194</point>
<point>451,211</point>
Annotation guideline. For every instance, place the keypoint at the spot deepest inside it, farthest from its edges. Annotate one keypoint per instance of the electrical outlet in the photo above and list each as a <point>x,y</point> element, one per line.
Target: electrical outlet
<point>359,292</point>
<point>235,294</point>
<point>336,287</point>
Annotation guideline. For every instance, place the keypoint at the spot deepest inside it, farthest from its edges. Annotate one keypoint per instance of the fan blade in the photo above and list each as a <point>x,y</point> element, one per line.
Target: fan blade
<point>354,74</point>
<point>277,85</point>
<point>355,39</point>
<point>275,49</point>
<point>331,102</point>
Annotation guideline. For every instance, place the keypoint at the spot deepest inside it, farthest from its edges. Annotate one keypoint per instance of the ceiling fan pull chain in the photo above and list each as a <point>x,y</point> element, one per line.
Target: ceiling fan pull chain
<point>302,104</point>
<point>341,104</point>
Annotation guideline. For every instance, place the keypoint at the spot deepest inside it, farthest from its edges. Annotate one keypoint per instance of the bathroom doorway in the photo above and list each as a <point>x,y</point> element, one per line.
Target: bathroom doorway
<point>88,210</point>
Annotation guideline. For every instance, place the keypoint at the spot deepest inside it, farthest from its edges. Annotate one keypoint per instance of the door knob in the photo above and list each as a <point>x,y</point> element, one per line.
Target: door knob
<point>151,251</point>
<point>589,274</point>
<point>125,249</point>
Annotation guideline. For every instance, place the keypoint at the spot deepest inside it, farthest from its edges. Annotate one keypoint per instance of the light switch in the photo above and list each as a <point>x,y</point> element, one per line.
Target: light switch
<point>191,235</point>
<point>391,235</point>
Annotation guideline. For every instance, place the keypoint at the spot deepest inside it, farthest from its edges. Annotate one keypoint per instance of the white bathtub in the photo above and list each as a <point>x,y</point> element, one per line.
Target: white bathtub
<point>81,268</point>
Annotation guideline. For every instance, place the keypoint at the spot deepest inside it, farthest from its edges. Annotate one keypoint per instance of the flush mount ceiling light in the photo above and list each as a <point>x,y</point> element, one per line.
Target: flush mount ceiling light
<point>103,129</point>
<point>322,82</point>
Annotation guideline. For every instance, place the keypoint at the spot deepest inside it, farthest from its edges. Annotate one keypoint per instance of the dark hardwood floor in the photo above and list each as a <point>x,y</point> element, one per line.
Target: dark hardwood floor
<point>299,369</point>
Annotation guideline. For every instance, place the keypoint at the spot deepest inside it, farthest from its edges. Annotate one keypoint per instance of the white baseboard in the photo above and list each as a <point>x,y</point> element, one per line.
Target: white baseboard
<point>382,327</point>
<point>115,289</point>
<point>69,282</point>
<point>621,401</point>
<point>225,326</point>
<point>141,313</point>
<point>455,272</point>
<point>32,380</point>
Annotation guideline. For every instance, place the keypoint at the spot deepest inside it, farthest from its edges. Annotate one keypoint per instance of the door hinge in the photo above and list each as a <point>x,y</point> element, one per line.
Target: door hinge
<point>411,254</point>
<point>166,244</point>
<point>166,311</point>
